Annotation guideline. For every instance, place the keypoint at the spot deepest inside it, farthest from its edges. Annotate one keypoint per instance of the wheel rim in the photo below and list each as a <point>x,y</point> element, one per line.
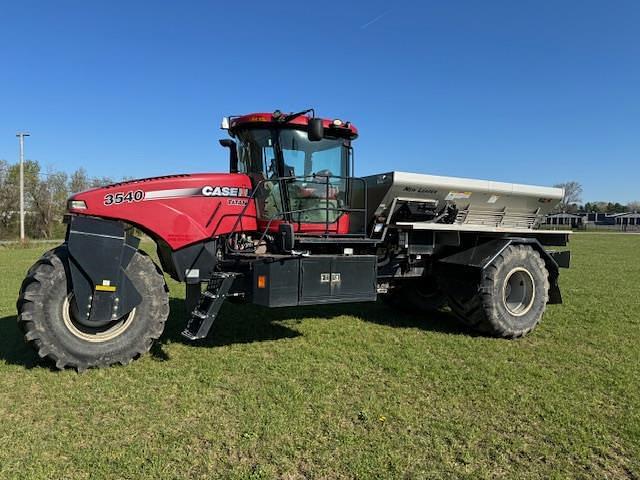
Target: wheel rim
<point>518,292</point>
<point>95,335</point>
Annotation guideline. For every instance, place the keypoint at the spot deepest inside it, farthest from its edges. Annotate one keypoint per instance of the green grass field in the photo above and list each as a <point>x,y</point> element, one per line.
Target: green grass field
<point>357,391</point>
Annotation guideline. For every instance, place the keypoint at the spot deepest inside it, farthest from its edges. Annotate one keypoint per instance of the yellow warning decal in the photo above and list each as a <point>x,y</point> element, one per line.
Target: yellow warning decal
<point>105,288</point>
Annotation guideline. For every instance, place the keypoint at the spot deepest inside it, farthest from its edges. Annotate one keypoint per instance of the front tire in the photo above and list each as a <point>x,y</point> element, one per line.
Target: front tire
<point>46,314</point>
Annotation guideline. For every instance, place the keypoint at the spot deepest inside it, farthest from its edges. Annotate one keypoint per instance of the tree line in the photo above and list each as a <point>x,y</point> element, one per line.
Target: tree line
<point>45,198</point>
<point>572,202</point>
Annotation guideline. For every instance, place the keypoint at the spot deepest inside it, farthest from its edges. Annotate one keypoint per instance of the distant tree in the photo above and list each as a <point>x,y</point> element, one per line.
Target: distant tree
<point>8,200</point>
<point>597,207</point>
<point>49,197</point>
<point>601,206</point>
<point>44,199</point>
<point>572,208</point>
<point>101,181</point>
<point>572,196</point>
<point>634,206</point>
<point>615,208</point>
<point>10,196</point>
<point>79,181</point>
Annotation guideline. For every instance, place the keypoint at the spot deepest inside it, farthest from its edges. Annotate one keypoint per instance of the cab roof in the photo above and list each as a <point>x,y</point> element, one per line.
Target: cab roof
<point>335,126</point>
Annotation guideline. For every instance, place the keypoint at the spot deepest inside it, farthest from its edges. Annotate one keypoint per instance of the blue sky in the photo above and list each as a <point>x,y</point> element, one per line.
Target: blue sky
<point>526,91</point>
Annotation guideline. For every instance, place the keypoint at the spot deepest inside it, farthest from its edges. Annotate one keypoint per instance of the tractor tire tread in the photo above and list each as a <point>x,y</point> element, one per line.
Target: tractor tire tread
<point>480,311</point>
<point>51,268</point>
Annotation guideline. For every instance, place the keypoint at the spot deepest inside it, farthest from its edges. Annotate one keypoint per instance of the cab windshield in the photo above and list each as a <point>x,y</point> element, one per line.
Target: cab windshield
<point>316,172</point>
<point>289,153</point>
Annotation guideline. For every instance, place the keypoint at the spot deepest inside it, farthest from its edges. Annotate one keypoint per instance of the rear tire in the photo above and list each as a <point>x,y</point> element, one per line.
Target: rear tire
<point>511,298</point>
<point>46,314</point>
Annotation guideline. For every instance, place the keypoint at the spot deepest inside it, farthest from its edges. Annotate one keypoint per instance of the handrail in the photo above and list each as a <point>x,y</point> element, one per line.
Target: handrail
<point>326,232</point>
<point>282,182</point>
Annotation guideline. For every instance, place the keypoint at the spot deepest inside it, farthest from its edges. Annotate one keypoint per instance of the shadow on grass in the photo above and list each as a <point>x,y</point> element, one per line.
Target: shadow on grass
<point>246,323</point>
<point>236,323</point>
<point>13,349</point>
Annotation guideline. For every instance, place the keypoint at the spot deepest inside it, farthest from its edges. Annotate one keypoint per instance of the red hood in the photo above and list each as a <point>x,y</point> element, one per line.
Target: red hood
<point>180,209</point>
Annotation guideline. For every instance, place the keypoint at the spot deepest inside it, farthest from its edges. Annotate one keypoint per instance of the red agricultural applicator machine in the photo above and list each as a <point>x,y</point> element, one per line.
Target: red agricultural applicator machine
<point>288,225</point>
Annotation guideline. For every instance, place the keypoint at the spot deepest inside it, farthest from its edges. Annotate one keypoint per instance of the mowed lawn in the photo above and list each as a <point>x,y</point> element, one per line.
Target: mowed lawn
<point>357,391</point>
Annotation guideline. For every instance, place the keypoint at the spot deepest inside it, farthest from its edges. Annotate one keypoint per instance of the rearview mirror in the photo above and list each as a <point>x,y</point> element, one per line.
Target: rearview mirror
<point>233,154</point>
<point>315,129</point>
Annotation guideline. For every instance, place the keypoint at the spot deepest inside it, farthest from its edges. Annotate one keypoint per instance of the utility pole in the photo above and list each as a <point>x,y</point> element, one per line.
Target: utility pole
<point>21,136</point>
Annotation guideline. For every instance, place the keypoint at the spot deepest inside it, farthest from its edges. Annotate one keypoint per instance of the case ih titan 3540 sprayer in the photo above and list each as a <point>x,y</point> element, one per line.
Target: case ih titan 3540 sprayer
<point>288,225</point>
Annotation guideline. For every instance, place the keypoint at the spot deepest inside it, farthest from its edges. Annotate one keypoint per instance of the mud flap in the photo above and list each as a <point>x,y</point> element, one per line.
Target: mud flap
<point>473,261</point>
<point>100,251</point>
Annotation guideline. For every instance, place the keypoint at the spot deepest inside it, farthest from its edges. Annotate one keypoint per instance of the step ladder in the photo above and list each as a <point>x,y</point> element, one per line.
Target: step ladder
<point>206,311</point>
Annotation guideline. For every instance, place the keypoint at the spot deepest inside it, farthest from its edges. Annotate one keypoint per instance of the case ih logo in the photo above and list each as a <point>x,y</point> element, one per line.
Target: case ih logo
<point>209,191</point>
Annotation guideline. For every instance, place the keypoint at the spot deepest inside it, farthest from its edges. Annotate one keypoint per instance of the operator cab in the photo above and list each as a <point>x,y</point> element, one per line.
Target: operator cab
<point>300,168</point>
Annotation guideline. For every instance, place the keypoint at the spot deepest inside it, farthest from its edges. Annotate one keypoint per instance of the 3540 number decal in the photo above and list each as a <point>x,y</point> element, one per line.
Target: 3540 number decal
<point>122,197</point>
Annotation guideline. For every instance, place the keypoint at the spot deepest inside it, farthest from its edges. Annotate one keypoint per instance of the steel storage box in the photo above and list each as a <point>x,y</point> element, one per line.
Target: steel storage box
<point>314,280</point>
